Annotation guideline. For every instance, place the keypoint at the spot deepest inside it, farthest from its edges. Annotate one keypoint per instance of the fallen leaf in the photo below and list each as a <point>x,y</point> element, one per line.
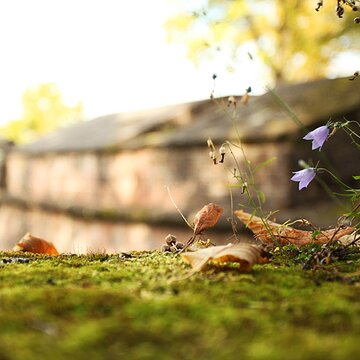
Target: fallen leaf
<point>245,254</point>
<point>35,245</point>
<point>268,231</point>
<point>207,217</point>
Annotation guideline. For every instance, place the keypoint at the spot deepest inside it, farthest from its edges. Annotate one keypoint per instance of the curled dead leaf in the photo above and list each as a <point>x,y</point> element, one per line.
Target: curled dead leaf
<point>268,231</point>
<point>207,217</point>
<point>35,245</point>
<point>245,254</point>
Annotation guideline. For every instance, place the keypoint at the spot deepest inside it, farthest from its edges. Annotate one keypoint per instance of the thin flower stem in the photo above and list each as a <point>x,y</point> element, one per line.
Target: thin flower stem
<point>336,178</point>
<point>328,191</point>
<point>351,133</point>
<point>176,207</point>
<point>287,109</point>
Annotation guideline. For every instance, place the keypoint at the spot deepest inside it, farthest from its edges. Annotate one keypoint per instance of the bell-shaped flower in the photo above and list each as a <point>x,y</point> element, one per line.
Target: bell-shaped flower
<point>318,137</point>
<point>304,177</point>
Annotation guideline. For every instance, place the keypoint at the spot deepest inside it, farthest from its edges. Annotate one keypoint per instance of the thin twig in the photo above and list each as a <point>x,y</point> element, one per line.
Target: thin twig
<point>356,239</point>
<point>176,207</point>
<point>188,243</point>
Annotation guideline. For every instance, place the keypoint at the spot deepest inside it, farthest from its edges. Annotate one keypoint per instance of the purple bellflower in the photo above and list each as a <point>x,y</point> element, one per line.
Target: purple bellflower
<point>304,177</point>
<point>318,137</point>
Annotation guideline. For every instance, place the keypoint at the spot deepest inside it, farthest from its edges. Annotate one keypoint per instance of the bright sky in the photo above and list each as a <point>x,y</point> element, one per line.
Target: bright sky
<point>111,55</point>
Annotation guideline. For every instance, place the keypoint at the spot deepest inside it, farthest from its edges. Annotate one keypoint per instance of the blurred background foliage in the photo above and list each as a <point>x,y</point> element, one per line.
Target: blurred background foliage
<point>44,110</point>
<point>294,42</point>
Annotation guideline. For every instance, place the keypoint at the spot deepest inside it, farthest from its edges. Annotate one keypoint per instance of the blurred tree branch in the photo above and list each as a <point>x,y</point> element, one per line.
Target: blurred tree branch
<point>43,111</point>
<point>292,39</point>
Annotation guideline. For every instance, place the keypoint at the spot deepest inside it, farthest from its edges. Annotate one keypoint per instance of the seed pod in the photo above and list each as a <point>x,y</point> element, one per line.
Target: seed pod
<point>173,248</point>
<point>319,5</point>
<point>357,20</point>
<point>212,155</point>
<point>210,144</point>
<point>339,11</point>
<point>180,245</point>
<point>231,101</point>
<point>222,152</point>
<point>165,248</point>
<point>170,239</point>
<point>245,99</point>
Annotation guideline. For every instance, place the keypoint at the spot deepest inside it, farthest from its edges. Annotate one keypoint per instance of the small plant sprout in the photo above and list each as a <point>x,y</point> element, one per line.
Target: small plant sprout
<point>304,177</point>
<point>318,137</point>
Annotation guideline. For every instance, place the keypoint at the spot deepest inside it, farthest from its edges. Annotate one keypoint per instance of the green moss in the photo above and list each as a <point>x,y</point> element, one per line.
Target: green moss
<point>147,307</point>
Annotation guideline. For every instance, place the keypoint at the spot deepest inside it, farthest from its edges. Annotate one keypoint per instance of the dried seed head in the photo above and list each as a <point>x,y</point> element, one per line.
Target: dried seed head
<point>357,20</point>
<point>165,248</point>
<point>245,99</point>
<point>339,10</point>
<point>170,239</point>
<point>244,187</point>
<point>231,101</point>
<point>222,150</point>
<point>212,155</point>
<point>173,248</point>
<point>180,245</point>
<point>319,5</point>
<point>210,144</point>
<point>355,75</point>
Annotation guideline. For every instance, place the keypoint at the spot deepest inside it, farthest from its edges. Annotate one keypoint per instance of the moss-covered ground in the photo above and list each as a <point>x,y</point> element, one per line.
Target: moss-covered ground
<point>145,306</point>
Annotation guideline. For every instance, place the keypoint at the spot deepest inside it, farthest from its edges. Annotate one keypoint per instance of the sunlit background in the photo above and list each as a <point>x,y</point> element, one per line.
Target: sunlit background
<point>114,56</point>
<point>110,55</point>
<point>65,62</point>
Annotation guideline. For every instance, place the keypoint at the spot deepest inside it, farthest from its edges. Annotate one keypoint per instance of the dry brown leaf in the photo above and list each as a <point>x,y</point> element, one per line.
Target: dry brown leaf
<point>207,217</point>
<point>245,254</point>
<point>266,232</point>
<point>35,245</point>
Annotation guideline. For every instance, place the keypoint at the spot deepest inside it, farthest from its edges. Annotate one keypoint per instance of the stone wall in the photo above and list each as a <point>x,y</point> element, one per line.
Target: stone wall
<point>138,179</point>
<point>75,235</point>
<point>44,193</point>
<point>103,184</point>
<point>118,200</point>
